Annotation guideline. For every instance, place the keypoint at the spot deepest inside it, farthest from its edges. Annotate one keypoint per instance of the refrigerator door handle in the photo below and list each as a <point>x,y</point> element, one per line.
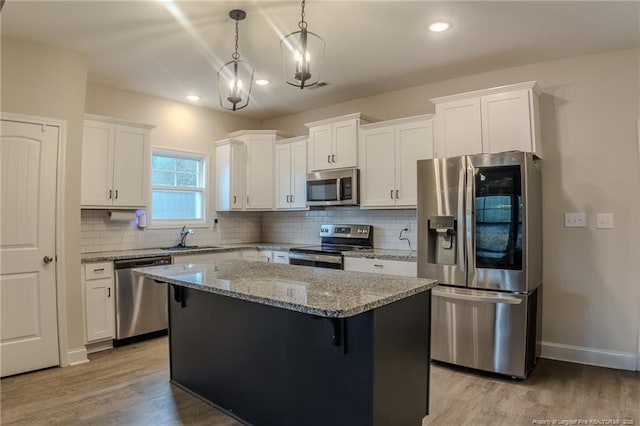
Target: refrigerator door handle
<point>470,227</point>
<point>462,262</point>
<point>484,296</point>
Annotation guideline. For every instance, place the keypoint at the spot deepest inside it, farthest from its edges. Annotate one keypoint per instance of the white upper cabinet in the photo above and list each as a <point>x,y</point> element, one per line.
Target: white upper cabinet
<point>291,170</point>
<point>414,141</point>
<point>229,175</point>
<point>377,167</point>
<point>333,143</point>
<point>494,120</point>
<point>458,127</point>
<point>115,163</point>
<point>389,152</point>
<point>251,155</point>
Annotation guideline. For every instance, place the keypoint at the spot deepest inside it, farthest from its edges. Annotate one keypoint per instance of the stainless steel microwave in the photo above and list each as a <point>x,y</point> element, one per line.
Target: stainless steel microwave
<point>333,188</point>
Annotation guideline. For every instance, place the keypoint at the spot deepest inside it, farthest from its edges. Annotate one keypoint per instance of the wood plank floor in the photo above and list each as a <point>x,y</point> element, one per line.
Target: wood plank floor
<point>130,386</point>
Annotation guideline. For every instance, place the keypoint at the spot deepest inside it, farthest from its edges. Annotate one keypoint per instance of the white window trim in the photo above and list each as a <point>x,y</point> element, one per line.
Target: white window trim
<point>176,224</point>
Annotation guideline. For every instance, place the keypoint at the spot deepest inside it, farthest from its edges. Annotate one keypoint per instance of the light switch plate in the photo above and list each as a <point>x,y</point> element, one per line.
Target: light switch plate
<point>575,220</point>
<point>604,220</point>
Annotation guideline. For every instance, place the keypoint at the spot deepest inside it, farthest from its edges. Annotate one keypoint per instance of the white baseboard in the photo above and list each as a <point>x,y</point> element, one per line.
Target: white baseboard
<point>590,356</point>
<point>77,356</point>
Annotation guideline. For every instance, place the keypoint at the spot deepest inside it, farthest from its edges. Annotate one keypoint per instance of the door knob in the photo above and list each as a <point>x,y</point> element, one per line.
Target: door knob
<point>47,259</point>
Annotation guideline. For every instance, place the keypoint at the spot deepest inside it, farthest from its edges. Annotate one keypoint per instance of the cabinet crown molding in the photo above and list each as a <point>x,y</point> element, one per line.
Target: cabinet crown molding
<point>228,142</point>
<point>397,121</point>
<point>491,91</point>
<point>113,120</point>
<point>362,117</point>
<point>292,140</point>
<point>277,133</point>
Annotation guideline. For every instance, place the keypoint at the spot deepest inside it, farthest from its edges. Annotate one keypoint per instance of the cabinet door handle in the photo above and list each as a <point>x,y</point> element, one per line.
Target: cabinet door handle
<point>378,265</point>
<point>47,260</point>
<point>391,194</point>
<point>110,194</point>
<point>333,158</point>
<point>329,159</point>
<point>292,198</point>
<point>116,194</point>
<point>99,270</point>
<point>397,194</point>
<point>109,292</point>
<point>234,199</point>
<point>247,199</point>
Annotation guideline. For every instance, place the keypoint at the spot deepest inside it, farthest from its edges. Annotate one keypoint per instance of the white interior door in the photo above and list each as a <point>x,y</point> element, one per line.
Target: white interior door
<point>28,331</point>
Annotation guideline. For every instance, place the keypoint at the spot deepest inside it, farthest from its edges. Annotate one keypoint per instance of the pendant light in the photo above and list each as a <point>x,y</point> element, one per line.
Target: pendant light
<point>236,76</point>
<point>302,54</point>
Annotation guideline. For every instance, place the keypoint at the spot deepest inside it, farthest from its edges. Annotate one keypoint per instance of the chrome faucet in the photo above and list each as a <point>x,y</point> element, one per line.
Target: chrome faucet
<point>183,236</point>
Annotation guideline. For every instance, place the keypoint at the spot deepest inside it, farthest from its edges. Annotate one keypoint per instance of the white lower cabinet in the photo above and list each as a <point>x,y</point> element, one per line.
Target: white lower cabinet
<point>257,255</point>
<point>280,257</point>
<point>381,266</point>
<point>99,301</point>
<point>267,256</point>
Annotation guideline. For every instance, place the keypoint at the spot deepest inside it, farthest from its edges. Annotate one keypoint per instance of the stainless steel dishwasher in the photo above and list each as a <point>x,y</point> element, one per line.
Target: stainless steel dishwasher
<point>141,303</point>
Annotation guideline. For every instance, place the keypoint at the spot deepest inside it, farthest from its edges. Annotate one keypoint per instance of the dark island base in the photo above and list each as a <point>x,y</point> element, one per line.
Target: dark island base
<point>272,366</point>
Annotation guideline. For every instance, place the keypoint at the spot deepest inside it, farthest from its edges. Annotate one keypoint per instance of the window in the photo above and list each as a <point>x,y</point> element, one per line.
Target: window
<point>178,190</point>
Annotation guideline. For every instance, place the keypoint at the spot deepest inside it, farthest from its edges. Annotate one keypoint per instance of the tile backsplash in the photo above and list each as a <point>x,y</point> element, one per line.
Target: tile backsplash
<point>304,226</point>
<point>99,233</point>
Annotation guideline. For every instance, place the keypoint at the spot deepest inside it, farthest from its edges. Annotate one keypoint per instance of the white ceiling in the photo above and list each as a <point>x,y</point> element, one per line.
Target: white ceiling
<point>173,48</point>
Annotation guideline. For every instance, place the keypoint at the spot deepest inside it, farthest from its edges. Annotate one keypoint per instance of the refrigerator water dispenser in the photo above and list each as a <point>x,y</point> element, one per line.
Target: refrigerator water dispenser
<point>442,240</point>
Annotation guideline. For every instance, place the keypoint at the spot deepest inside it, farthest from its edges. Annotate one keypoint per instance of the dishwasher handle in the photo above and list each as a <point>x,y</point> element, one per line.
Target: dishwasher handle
<point>139,263</point>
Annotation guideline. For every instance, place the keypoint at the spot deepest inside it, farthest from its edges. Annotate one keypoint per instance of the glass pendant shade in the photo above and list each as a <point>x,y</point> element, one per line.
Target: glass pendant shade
<point>302,54</point>
<point>235,79</point>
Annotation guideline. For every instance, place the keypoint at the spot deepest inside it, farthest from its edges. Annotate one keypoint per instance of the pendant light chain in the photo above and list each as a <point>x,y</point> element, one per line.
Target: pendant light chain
<point>235,54</point>
<point>302,24</point>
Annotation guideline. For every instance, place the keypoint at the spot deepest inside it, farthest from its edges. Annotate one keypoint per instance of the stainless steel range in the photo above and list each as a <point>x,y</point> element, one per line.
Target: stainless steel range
<point>335,240</point>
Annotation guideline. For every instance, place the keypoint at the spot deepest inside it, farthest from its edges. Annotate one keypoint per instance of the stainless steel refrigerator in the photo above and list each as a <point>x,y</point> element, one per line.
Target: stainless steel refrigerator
<point>480,236</point>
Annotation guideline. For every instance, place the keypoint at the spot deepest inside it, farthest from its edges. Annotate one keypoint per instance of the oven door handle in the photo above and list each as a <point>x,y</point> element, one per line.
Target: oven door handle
<point>316,257</point>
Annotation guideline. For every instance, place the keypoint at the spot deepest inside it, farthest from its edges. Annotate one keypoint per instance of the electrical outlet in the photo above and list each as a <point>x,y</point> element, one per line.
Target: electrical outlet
<point>604,220</point>
<point>575,220</point>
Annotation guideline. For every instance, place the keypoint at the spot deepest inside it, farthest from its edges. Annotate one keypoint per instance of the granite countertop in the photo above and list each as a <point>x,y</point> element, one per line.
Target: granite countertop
<point>403,255</point>
<point>153,252</point>
<point>316,291</point>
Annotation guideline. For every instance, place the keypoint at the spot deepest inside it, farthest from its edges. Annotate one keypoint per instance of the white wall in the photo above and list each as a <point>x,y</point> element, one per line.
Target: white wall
<point>589,109</point>
<point>50,82</point>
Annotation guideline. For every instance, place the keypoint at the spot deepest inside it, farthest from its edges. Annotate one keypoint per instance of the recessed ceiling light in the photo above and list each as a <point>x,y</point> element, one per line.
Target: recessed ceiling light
<point>262,82</point>
<point>439,26</point>
<point>193,98</point>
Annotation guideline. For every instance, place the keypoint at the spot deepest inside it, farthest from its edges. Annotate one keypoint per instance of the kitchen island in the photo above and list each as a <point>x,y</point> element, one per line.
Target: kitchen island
<point>292,345</point>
